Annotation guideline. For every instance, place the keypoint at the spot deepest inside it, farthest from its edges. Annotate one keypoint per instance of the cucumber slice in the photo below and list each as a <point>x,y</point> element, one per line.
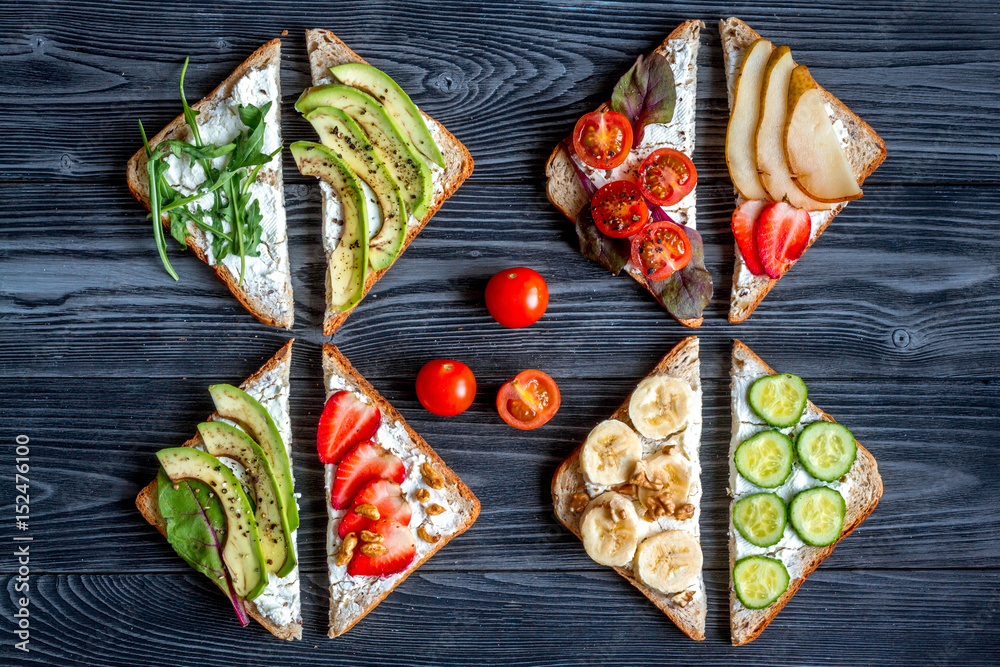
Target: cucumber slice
<point>778,399</point>
<point>765,459</point>
<point>759,581</point>
<point>761,518</point>
<point>817,515</point>
<point>827,450</point>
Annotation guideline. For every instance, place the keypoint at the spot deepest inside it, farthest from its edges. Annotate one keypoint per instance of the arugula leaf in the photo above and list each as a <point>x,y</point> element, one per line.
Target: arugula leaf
<point>646,94</point>
<point>687,292</point>
<point>197,530</point>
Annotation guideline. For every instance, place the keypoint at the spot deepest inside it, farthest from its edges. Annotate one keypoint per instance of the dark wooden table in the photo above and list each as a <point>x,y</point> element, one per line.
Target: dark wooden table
<point>892,319</point>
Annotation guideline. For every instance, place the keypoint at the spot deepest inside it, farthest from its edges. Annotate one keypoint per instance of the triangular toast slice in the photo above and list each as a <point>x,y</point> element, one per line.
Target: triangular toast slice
<point>861,488</point>
<point>428,482</point>
<point>278,608</point>
<point>326,50</point>
<point>563,185</point>
<point>865,151</point>
<point>267,281</point>
<point>571,491</point>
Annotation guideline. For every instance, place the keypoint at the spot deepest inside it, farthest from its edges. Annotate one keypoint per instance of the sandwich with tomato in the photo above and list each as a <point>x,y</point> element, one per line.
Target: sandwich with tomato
<point>626,180</point>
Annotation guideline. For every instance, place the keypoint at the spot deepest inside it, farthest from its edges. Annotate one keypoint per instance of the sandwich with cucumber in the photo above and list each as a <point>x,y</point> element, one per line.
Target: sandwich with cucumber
<point>632,491</point>
<point>212,178</point>
<point>799,482</point>
<point>385,168</point>
<point>226,502</point>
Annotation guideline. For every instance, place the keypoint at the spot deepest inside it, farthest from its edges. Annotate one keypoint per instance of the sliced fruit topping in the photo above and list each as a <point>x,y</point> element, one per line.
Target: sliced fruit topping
<point>741,152</point>
<point>667,176</point>
<point>446,387</point>
<point>765,459</point>
<point>660,406</point>
<point>619,209</point>
<point>669,561</point>
<point>390,549</point>
<point>660,249</point>
<point>782,233</point>
<point>610,453</point>
<point>528,400</point>
<point>827,450</point>
<point>744,229</point>
<point>362,464</point>
<point>603,139</point>
<point>759,581</point>
<point>761,518</point>
<point>779,400</point>
<point>817,515</point>
<point>346,421</point>
<point>379,499</point>
<point>609,528</point>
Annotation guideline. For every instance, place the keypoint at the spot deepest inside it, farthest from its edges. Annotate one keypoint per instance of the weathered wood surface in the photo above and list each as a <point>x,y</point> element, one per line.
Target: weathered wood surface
<point>891,319</point>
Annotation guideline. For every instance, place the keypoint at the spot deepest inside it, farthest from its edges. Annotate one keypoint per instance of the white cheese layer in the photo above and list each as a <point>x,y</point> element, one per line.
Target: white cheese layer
<point>267,277</point>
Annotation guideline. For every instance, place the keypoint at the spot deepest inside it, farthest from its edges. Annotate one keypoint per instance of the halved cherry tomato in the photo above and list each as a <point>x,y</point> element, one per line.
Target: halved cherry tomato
<point>528,400</point>
<point>602,139</point>
<point>667,176</point>
<point>517,297</point>
<point>446,387</point>
<point>660,249</point>
<point>619,209</point>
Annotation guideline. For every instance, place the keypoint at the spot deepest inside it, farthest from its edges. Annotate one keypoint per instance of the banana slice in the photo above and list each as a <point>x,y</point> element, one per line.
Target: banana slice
<point>669,561</point>
<point>660,406</point>
<point>610,529</point>
<point>610,453</point>
<point>666,476</point>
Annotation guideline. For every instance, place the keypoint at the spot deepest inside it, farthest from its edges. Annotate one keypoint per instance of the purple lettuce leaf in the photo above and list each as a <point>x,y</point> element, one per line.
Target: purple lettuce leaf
<point>646,94</point>
<point>685,293</point>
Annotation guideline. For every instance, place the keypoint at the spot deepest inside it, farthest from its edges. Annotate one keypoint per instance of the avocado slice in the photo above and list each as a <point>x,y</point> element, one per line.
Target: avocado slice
<point>380,85</point>
<point>338,132</point>
<point>235,404</point>
<point>348,263</point>
<point>276,544</point>
<point>242,554</point>
<point>400,157</point>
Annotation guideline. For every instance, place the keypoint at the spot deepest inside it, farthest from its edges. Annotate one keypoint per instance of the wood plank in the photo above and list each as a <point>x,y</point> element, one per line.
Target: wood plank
<point>853,617</point>
<point>934,448</point>
<point>880,295</point>
<point>509,84</point>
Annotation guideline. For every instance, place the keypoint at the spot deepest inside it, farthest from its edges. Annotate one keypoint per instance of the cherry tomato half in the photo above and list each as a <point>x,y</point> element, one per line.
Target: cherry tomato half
<point>602,139</point>
<point>660,249</point>
<point>667,176</point>
<point>619,209</point>
<point>528,400</point>
<point>517,297</point>
<point>446,387</point>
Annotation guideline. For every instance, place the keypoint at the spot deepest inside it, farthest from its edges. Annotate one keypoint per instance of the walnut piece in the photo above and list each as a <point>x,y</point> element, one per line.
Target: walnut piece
<point>423,495</point>
<point>434,509</point>
<point>578,502</point>
<point>368,510</point>
<point>373,549</point>
<point>683,598</point>
<point>346,549</point>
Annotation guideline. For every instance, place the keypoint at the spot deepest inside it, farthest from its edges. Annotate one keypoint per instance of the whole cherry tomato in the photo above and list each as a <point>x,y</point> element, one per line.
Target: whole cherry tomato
<point>446,387</point>
<point>517,297</point>
<point>528,400</point>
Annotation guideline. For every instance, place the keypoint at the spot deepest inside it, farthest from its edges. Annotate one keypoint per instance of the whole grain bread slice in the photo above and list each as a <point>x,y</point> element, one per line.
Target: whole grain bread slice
<point>351,598</point>
<point>563,185</point>
<point>271,306</point>
<point>326,50</point>
<point>278,369</point>
<point>747,624</point>
<point>866,151</point>
<point>683,362</point>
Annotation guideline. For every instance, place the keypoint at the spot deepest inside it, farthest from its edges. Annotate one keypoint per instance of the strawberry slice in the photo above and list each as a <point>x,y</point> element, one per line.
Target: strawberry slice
<point>399,550</point>
<point>744,219</point>
<point>346,421</point>
<point>782,233</point>
<point>386,497</point>
<point>364,463</point>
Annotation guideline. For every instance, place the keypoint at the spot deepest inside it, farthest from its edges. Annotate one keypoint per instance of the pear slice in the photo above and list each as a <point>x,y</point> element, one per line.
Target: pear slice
<point>741,131</point>
<point>770,144</point>
<point>815,157</point>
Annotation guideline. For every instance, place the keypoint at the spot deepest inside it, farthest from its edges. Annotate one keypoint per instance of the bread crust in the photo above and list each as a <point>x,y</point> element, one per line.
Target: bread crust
<point>327,50</point>
<point>868,152</point>
<point>681,361</point>
<point>747,624</point>
<point>147,504</point>
<point>334,362</point>
<point>138,184</point>
<point>567,195</point>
